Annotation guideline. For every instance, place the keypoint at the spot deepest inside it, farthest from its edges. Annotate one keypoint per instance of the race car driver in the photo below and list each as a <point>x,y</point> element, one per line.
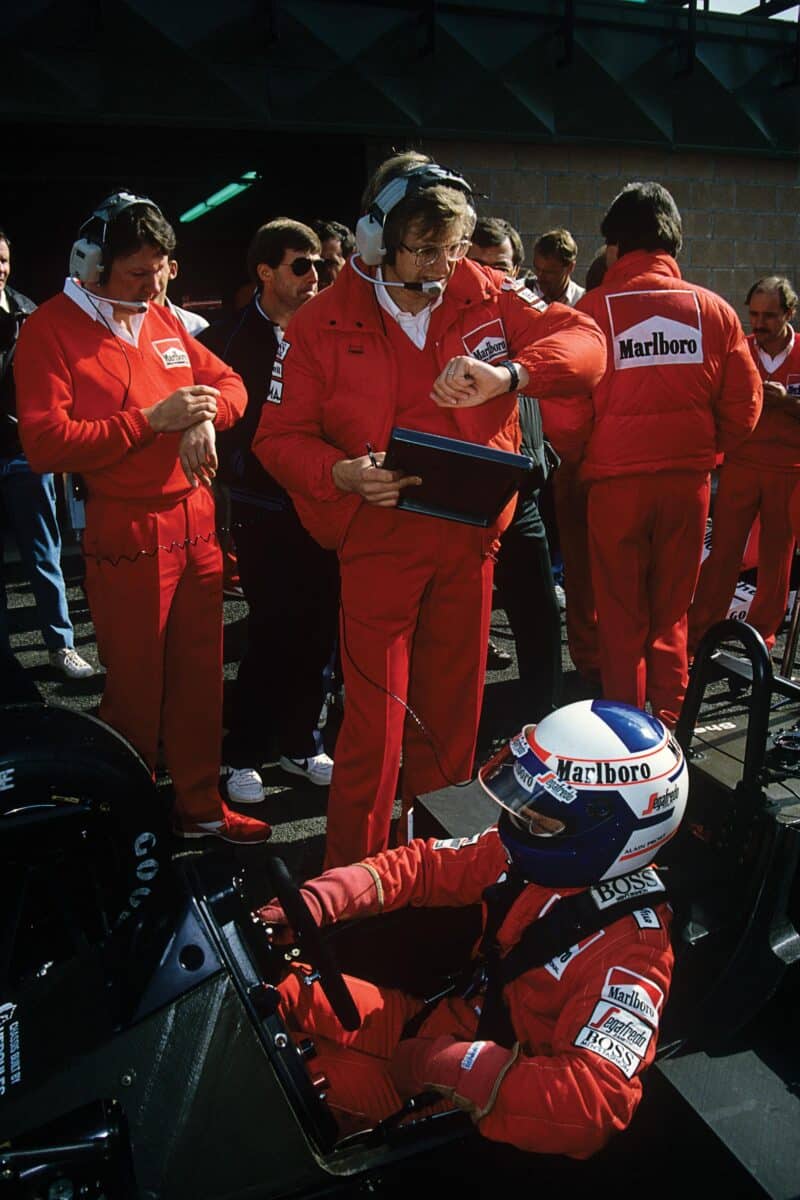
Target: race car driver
<point>112,386</point>
<point>680,386</point>
<point>542,1041</point>
<point>758,476</point>
<point>431,342</point>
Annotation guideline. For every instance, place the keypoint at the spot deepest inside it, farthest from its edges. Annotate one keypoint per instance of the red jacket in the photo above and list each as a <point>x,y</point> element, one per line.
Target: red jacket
<point>586,1023</point>
<point>775,441</point>
<point>680,384</point>
<point>81,391</point>
<point>337,385</point>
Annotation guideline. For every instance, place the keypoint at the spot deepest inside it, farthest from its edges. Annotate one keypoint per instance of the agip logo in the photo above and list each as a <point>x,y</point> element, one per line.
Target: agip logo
<point>652,329</point>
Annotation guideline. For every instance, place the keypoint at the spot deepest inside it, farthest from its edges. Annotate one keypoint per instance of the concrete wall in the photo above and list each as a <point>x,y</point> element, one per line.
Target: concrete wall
<point>741,215</point>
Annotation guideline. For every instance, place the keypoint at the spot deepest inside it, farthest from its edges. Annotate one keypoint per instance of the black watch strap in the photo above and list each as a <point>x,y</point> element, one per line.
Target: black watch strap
<point>513,371</point>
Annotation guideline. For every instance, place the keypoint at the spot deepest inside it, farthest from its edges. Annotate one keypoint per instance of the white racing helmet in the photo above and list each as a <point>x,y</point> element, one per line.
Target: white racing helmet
<point>591,792</point>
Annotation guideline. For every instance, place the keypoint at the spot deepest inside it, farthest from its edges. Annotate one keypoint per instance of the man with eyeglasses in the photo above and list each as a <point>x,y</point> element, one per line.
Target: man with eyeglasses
<point>430,341</point>
<point>291,584</point>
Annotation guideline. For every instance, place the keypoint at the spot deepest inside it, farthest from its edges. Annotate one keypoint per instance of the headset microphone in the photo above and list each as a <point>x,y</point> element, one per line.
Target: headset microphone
<point>136,305</point>
<point>432,286</point>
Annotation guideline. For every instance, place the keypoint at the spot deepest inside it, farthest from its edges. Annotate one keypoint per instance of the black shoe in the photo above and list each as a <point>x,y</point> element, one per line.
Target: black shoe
<point>498,659</point>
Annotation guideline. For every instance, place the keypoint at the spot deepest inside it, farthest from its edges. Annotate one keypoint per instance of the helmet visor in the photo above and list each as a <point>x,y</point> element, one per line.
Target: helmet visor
<point>523,796</point>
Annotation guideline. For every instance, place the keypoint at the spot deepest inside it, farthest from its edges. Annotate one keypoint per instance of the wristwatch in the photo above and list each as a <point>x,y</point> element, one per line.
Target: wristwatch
<point>513,371</point>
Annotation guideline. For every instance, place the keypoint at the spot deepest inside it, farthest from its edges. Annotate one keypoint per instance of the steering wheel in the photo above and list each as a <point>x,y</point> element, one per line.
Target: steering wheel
<point>313,949</point>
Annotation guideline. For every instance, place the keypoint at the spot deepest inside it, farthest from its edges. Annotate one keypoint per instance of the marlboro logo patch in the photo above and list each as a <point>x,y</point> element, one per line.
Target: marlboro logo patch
<point>172,353</point>
<point>655,329</point>
<point>487,342</point>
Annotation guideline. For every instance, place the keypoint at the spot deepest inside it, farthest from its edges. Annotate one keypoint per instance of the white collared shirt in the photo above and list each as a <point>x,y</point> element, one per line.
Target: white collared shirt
<point>414,325</point>
<point>103,311</point>
<point>771,364</point>
<point>6,307</point>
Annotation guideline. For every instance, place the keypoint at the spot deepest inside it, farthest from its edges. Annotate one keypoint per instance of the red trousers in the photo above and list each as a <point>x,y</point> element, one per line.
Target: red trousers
<point>154,581</point>
<point>743,493</point>
<point>356,1065</point>
<point>415,611</point>
<point>646,540</point>
<point>571,498</point>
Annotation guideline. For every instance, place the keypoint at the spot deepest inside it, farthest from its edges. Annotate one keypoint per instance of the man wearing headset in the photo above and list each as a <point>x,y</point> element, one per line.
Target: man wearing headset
<point>113,387</point>
<point>432,342</point>
<point>545,1034</point>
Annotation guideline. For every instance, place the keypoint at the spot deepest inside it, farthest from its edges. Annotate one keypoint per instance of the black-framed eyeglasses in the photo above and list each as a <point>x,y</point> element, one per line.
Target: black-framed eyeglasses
<point>301,266</point>
<point>426,256</point>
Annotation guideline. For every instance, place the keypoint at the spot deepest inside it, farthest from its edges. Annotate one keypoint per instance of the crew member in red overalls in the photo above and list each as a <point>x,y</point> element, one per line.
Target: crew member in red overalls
<point>112,387</point>
<point>431,342</point>
<point>680,386</point>
<point>758,476</point>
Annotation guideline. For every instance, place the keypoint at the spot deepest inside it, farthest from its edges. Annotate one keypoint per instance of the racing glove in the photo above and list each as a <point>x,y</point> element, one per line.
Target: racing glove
<point>467,1073</point>
<point>338,895</point>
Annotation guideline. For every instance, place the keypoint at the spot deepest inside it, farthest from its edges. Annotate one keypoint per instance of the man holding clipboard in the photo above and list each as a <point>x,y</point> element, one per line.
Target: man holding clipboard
<point>412,334</point>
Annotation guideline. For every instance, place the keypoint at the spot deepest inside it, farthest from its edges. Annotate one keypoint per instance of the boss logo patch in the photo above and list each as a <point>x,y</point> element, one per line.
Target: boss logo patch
<point>637,883</point>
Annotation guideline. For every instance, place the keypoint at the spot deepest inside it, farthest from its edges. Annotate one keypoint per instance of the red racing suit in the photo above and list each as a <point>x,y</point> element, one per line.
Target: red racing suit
<point>757,479</point>
<point>680,387</point>
<point>416,590</point>
<point>153,567</point>
<point>585,1025</point>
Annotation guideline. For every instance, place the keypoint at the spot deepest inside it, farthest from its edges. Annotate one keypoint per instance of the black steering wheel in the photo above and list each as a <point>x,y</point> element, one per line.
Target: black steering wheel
<point>313,948</point>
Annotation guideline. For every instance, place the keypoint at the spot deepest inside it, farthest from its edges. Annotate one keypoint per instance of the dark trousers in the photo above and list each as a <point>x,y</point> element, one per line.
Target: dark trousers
<point>524,581</point>
<point>292,590</point>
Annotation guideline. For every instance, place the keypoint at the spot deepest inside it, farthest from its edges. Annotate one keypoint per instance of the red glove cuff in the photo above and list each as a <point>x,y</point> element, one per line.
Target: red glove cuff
<point>468,1073</point>
<point>339,894</point>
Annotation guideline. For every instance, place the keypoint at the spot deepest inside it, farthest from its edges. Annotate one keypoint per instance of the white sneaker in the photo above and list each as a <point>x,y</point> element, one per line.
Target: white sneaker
<point>70,662</point>
<point>317,769</point>
<point>244,785</point>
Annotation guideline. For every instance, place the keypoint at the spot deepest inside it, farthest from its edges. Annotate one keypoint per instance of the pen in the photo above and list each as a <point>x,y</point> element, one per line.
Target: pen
<point>371,454</point>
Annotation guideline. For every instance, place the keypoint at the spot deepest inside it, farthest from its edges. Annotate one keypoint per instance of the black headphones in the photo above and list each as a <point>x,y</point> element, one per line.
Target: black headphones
<point>86,256</point>
<point>369,230</point>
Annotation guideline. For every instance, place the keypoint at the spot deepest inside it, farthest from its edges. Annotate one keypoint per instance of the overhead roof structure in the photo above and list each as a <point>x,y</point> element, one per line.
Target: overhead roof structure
<point>660,74</point>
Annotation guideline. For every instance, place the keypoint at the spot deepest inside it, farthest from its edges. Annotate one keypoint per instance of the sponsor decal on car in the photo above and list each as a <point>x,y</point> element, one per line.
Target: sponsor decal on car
<point>634,992</point>
<point>10,1050</point>
<point>635,883</point>
<point>172,353</point>
<point>655,328</point>
<point>487,342</point>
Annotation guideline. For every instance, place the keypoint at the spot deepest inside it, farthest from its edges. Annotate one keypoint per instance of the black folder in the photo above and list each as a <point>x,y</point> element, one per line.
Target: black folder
<point>461,481</point>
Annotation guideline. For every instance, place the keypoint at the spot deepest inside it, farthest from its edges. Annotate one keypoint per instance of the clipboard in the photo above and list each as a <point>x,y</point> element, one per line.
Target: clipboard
<point>461,481</point>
